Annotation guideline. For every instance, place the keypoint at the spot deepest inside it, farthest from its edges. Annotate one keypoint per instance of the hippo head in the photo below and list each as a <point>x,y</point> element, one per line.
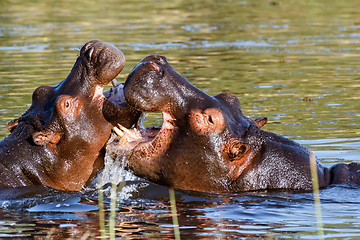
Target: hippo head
<point>67,125</point>
<point>205,143</point>
<point>59,113</point>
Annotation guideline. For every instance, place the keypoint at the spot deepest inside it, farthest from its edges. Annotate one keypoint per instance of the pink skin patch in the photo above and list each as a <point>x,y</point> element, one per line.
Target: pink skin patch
<point>98,93</point>
<point>155,66</point>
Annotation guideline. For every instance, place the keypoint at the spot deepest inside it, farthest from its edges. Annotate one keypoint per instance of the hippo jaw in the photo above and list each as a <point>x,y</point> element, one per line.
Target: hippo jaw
<point>147,144</point>
<point>148,151</point>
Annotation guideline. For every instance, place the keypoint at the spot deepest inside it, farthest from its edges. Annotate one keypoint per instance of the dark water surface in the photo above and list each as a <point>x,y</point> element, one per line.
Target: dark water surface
<point>274,55</point>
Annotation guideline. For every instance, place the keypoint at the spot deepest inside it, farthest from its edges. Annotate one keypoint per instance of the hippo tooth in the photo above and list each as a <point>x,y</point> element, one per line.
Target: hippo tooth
<point>114,82</point>
<point>127,135</point>
<point>118,132</point>
<point>124,129</point>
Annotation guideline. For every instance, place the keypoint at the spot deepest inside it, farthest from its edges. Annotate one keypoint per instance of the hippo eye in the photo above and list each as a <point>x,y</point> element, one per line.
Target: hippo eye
<point>237,150</point>
<point>66,104</point>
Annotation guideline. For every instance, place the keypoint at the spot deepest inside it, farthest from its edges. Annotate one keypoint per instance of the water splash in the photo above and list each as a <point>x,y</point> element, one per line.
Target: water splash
<point>114,172</point>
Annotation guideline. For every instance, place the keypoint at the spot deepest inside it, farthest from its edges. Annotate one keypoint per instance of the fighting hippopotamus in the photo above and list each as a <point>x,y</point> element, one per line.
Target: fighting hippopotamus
<point>59,141</point>
<point>206,143</point>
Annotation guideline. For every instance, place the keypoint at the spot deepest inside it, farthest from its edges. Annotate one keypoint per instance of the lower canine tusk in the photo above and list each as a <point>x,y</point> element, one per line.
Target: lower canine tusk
<point>124,129</point>
<point>114,82</point>
<point>118,132</point>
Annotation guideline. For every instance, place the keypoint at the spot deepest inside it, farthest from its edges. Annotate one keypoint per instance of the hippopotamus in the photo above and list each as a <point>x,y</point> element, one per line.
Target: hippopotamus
<point>59,141</point>
<point>207,144</point>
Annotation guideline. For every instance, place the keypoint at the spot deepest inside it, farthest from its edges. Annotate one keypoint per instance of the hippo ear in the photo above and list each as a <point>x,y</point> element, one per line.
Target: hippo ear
<point>208,121</point>
<point>12,124</point>
<point>260,121</point>
<point>43,138</point>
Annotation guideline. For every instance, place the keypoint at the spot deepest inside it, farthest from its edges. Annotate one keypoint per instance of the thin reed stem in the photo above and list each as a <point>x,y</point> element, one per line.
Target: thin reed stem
<point>174,214</point>
<point>50,233</point>
<point>113,207</point>
<point>101,212</point>
<point>316,192</point>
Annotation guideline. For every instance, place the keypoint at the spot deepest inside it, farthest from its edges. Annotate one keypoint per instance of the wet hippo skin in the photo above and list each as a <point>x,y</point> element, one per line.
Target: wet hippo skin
<point>206,143</point>
<point>58,142</point>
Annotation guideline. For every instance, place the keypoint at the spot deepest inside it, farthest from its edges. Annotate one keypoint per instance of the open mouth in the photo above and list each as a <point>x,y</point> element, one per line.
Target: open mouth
<point>140,137</point>
<point>151,140</point>
<point>113,94</point>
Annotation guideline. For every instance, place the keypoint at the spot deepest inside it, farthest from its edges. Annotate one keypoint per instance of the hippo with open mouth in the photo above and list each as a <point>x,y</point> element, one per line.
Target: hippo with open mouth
<point>58,142</point>
<point>206,143</point>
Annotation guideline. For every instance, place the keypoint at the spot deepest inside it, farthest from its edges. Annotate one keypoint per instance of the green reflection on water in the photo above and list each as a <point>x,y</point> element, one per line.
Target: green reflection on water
<point>14,229</point>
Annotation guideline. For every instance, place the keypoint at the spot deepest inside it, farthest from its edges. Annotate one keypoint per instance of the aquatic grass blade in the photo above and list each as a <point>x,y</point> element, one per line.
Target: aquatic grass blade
<point>316,193</point>
<point>113,206</point>
<point>50,233</point>
<point>101,211</point>
<point>174,214</point>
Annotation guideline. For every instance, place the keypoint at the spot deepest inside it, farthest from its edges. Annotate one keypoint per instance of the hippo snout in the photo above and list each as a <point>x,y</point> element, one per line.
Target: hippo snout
<point>106,59</point>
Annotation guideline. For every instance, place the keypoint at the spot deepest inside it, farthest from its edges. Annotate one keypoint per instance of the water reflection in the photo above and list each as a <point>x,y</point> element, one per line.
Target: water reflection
<point>146,214</point>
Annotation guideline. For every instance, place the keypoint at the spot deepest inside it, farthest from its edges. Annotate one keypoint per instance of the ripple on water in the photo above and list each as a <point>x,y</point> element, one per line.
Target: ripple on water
<point>195,44</point>
<point>68,206</point>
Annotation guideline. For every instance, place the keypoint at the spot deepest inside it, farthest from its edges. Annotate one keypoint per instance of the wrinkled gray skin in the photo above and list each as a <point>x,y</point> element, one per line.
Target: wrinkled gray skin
<point>207,144</point>
<point>58,142</point>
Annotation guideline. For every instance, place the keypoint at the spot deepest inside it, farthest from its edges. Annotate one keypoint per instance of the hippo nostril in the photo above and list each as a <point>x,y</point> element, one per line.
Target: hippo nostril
<point>87,46</point>
<point>88,53</point>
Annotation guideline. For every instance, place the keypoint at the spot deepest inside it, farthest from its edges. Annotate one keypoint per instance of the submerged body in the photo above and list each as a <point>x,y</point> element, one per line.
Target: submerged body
<point>206,143</point>
<point>58,142</point>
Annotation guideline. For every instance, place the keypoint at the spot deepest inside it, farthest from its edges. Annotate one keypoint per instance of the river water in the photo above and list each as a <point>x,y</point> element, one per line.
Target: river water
<point>295,62</point>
